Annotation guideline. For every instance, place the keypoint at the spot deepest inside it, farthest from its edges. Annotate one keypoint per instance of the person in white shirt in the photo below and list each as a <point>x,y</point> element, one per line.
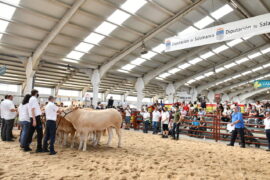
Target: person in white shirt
<point>146,120</point>
<point>2,118</point>
<point>128,117</point>
<point>24,119</point>
<point>51,111</point>
<point>35,120</point>
<point>9,114</point>
<point>155,119</point>
<point>267,128</point>
<point>165,116</point>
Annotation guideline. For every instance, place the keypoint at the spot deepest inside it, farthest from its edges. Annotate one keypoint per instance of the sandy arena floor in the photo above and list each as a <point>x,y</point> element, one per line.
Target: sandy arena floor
<point>143,156</point>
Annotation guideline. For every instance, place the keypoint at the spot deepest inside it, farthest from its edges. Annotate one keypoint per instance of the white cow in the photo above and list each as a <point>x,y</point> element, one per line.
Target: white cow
<point>86,122</point>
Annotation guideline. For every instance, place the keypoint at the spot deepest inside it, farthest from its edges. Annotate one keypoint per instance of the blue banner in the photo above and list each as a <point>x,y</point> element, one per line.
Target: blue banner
<point>262,84</point>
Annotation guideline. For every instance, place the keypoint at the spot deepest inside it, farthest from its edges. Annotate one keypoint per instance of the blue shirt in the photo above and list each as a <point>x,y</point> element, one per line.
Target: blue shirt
<point>195,123</point>
<point>238,116</point>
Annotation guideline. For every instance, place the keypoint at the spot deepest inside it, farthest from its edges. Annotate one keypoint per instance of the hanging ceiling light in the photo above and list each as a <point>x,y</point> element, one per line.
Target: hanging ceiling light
<point>144,49</point>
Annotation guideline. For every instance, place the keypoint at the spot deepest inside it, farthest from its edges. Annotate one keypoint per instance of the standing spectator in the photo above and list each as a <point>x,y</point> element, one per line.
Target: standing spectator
<point>238,123</point>
<point>146,120</point>
<point>128,117</point>
<point>24,119</point>
<point>165,116</point>
<point>2,118</point>
<point>155,119</point>
<point>110,102</point>
<point>9,114</point>
<point>36,124</point>
<point>51,114</point>
<point>176,124</point>
<point>201,113</point>
<point>267,128</point>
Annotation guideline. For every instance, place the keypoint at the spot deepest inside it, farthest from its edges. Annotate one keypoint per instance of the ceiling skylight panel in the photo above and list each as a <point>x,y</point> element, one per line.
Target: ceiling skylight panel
<point>84,47</point>
<point>209,74</point>
<point>164,75</point>
<point>6,11</point>
<point>220,69</point>
<point>234,42</point>
<point>191,81</point>
<point>75,55</point>
<point>242,60</point>
<point>133,6</point>
<point>158,78</point>
<point>138,61</point>
<point>149,55</point>
<point>229,65</point>
<point>123,71</point>
<point>257,69</point>
<point>247,72</point>
<point>128,67</point>
<point>220,49</point>
<point>94,38</point>
<point>160,48</point>
<point>3,25</point>
<point>226,80</point>
<point>207,55</point>
<point>195,60</point>
<point>200,77</point>
<point>267,50</point>
<point>224,10</point>
<point>266,65</point>
<point>184,66</point>
<point>252,56</point>
<point>204,22</point>
<point>118,17</point>
<point>105,28</point>
<point>189,30</point>
<point>174,70</point>
<point>236,76</point>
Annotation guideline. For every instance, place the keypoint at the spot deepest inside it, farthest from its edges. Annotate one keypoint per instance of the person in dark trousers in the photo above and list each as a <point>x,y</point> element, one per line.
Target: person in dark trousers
<point>267,128</point>
<point>238,122</point>
<point>146,120</point>
<point>2,119</point>
<point>110,102</point>
<point>176,124</point>
<point>51,114</point>
<point>35,120</point>
<point>9,114</point>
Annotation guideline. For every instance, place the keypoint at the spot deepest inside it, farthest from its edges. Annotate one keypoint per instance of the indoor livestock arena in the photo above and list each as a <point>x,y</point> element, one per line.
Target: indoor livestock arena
<point>134,89</point>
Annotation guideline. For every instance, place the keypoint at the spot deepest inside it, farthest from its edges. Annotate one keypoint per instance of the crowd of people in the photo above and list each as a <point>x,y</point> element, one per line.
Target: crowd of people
<point>157,118</point>
<point>167,122</point>
<point>29,113</point>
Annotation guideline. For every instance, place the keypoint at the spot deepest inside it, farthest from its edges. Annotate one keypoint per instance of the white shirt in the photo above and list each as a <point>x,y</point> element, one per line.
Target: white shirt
<point>1,108</point>
<point>156,116</point>
<point>24,112</point>
<point>6,106</point>
<point>128,112</point>
<point>165,117</point>
<point>146,116</point>
<point>267,123</point>
<point>33,103</point>
<point>51,111</point>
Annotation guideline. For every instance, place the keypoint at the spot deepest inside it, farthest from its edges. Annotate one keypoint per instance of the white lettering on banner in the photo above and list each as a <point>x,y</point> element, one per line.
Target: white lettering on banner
<point>234,30</point>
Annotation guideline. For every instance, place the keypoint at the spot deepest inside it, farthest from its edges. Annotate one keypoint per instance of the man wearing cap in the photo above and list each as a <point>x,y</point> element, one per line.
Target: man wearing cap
<point>51,114</point>
<point>238,123</point>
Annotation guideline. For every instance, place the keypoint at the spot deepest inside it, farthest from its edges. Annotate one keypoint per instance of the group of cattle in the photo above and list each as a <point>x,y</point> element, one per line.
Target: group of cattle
<point>88,124</point>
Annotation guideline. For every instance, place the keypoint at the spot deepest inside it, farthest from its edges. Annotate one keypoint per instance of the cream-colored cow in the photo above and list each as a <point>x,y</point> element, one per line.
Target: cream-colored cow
<point>86,122</point>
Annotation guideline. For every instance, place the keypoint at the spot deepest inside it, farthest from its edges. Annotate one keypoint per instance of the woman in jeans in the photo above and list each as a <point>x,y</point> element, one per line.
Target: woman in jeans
<point>25,122</point>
